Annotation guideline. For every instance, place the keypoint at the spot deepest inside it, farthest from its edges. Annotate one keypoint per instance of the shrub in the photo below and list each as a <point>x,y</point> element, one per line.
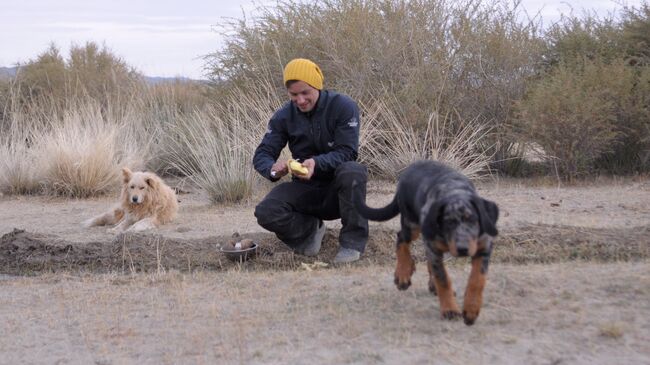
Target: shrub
<point>604,63</point>
<point>90,72</point>
<point>468,59</point>
<point>571,113</point>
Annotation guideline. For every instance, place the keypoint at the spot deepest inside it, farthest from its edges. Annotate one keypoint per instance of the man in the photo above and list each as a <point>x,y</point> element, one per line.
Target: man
<point>322,130</point>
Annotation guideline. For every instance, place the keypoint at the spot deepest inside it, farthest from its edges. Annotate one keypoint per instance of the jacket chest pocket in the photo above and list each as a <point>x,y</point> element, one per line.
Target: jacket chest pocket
<point>323,135</point>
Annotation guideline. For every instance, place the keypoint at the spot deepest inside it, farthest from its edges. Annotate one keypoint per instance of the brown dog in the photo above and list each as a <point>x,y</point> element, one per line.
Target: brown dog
<point>145,202</point>
<point>442,204</point>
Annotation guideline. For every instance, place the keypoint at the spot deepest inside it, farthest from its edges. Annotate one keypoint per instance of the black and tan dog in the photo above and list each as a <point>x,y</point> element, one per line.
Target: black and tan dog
<point>443,205</point>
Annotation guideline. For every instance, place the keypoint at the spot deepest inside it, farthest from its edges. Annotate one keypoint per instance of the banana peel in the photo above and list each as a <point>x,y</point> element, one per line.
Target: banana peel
<point>311,267</point>
<point>296,168</point>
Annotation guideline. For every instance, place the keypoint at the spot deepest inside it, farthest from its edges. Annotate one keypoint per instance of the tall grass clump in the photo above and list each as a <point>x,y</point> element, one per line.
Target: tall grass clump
<point>19,170</point>
<point>214,147</point>
<point>390,144</point>
<point>82,155</point>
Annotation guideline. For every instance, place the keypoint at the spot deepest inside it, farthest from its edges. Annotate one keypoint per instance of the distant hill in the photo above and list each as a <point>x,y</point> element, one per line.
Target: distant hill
<point>10,72</point>
<point>155,80</point>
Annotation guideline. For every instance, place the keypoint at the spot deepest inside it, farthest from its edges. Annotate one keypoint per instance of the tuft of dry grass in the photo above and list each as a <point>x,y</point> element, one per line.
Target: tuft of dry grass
<point>613,330</point>
<point>19,172</point>
<point>390,144</point>
<point>214,147</point>
<point>82,155</point>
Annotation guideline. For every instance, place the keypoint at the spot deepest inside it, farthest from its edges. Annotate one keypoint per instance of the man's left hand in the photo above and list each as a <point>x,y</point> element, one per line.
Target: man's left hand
<point>310,164</point>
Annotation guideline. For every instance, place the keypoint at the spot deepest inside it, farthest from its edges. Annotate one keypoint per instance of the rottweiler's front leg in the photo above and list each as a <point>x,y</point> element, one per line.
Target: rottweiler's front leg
<point>405,266</point>
<point>442,286</point>
<point>475,285</point>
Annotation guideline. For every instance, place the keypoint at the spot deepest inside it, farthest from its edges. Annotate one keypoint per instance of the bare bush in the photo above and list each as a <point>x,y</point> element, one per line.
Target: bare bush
<point>469,58</point>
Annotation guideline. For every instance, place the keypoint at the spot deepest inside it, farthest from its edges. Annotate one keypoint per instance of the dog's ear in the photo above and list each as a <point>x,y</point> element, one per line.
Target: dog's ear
<point>151,181</point>
<point>488,214</point>
<point>430,223</point>
<point>126,174</point>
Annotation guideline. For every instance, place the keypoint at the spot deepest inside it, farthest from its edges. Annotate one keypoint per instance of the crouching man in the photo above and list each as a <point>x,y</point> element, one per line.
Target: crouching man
<point>322,130</point>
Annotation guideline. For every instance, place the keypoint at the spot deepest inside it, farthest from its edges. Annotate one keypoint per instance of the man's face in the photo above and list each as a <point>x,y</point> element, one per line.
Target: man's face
<point>303,96</point>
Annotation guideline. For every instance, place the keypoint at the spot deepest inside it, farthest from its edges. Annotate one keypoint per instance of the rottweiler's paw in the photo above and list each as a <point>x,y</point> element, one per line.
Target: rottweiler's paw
<point>402,284</point>
<point>432,289</point>
<point>469,318</point>
<point>451,315</point>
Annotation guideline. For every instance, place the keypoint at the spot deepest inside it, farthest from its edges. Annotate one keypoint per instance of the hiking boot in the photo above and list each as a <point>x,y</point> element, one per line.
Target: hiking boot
<point>346,255</point>
<point>313,242</point>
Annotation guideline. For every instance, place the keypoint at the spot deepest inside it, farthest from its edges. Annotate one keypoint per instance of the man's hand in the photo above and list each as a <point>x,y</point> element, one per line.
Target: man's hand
<point>280,169</point>
<point>310,164</point>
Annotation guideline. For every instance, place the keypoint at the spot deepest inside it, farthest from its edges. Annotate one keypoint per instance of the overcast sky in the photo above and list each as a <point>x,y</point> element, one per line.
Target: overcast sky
<point>163,37</point>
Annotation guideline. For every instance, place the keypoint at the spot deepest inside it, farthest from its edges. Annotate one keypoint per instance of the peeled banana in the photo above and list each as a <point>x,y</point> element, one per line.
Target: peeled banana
<point>296,167</point>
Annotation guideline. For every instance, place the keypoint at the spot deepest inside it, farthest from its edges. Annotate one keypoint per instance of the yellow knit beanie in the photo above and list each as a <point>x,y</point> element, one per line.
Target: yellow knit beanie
<point>304,70</point>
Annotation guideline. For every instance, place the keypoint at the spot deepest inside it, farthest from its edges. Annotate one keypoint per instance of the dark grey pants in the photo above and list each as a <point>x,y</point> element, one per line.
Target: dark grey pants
<point>293,210</point>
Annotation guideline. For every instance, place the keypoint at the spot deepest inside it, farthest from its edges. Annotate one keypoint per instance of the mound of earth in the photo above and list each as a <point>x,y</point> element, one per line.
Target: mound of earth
<point>25,253</point>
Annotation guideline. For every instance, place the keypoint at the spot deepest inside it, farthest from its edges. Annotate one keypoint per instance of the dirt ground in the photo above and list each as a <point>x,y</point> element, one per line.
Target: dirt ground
<point>569,283</point>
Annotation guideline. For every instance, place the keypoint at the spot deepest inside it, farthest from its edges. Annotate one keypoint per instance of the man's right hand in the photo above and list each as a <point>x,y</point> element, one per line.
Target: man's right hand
<point>280,169</point>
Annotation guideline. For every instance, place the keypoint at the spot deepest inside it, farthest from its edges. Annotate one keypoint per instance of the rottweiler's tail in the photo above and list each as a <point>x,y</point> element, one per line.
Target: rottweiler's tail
<point>374,214</point>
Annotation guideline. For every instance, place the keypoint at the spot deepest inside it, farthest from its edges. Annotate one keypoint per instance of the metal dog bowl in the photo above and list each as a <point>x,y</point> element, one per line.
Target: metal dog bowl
<point>240,255</point>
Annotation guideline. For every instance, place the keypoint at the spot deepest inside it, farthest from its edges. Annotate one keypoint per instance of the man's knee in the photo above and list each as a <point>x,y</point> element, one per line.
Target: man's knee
<point>269,211</point>
<point>351,171</point>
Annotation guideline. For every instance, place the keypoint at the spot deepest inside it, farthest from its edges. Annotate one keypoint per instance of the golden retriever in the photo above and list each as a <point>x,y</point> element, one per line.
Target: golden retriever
<point>145,203</point>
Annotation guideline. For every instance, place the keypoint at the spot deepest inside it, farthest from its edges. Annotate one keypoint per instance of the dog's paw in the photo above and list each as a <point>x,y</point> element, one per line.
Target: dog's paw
<point>403,283</point>
<point>114,230</point>
<point>403,273</point>
<point>139,228</point>
<point>88,223</point>
<point>469,317</point>
<point>450,315</point>
<point>432,288</point>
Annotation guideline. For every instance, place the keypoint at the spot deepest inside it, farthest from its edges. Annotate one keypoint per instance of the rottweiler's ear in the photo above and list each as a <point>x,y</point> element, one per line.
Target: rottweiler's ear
<point>488,214</point>
<point>430,223</point>
<point>126,174</point>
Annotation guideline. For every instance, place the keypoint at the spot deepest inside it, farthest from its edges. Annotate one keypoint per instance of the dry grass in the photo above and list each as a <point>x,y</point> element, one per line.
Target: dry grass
<point>613,330</point>
<point>82,156</point>
<point>19,170</point>
<point>214,147</point>
<point>389,144</point>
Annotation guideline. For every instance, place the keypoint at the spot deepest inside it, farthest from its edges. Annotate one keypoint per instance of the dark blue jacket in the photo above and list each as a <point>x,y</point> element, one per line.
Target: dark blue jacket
<point>329,134</point>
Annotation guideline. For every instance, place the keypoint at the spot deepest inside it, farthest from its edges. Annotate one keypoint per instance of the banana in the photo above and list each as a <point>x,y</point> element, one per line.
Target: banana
<point>296,167</point>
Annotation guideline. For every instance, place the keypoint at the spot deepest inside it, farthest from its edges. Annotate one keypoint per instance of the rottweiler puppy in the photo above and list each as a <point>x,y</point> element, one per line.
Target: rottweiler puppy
<point>442,204</point>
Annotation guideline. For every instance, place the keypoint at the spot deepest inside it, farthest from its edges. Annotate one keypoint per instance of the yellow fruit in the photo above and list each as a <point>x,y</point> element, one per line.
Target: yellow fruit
<point>296,167</point>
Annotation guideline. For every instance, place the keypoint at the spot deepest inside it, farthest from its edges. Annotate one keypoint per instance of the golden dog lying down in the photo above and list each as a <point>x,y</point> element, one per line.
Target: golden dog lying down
<point>146,202</point>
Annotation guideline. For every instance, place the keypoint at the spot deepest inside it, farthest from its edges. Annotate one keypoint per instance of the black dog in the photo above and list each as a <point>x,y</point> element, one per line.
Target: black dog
<point>442,204</point>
